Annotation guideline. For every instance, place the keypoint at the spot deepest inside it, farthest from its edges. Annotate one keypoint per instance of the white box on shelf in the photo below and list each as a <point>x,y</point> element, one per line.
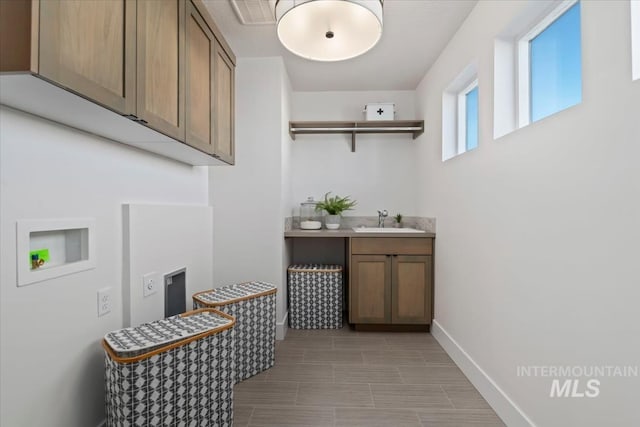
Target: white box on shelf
<point>380,111</point>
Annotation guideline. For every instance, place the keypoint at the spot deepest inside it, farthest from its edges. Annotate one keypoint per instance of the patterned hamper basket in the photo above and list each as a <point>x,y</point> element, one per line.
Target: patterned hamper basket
<point>253,304</point>
<point>176,371</point>
<point>315,296</point>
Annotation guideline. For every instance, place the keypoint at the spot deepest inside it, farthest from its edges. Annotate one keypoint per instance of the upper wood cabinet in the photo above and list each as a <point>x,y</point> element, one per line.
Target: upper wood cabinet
<point>200,81</point>
<point>89,47</point>
<point>210,80</point>
<point>224,105</point>
<point>162,63</point>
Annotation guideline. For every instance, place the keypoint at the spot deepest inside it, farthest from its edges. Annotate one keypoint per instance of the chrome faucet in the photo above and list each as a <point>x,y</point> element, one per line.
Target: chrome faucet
<point>381,216</point>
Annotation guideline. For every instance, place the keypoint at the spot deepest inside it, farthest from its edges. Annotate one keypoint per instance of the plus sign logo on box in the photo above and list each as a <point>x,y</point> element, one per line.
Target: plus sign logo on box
<point>380,111</point>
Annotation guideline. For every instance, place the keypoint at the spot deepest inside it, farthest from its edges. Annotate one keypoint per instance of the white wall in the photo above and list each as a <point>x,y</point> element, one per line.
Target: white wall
<point>381,174</point>
<point>287,190</point>
<point>287,145</point>
<point>162,239</point>
<point>51,362</point>
<point>246,199</point>
<point>537,247</point>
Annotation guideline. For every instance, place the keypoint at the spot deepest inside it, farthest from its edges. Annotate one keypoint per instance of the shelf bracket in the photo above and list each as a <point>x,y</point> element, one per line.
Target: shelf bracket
<point>353,142</point>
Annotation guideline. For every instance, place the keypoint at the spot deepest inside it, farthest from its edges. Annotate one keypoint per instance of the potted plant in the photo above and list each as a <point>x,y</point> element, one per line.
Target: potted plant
<point>334,206</point>
<point>398,221</point>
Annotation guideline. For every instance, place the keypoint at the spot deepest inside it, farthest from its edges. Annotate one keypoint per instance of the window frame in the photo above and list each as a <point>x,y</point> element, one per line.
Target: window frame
<point>634,9</point>
<point>523,54</point>
<point>462,83</point>
<point>461,139</point>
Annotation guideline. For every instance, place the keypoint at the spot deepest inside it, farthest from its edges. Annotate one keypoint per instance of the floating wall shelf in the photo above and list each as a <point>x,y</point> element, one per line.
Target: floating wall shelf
<point>414,127</point>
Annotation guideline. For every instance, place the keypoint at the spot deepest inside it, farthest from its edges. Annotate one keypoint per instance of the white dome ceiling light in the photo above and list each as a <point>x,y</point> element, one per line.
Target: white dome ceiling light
<point>329,30</point>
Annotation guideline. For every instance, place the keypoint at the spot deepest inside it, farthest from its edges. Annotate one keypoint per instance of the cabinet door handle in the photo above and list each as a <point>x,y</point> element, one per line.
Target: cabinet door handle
<point>395,254</point>
<point>135,118</point>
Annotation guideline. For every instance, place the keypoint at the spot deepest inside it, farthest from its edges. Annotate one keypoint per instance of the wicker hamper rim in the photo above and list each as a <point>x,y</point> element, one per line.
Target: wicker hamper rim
<point>196,296</point>
<point>295,269</point>
<point>132,359</point>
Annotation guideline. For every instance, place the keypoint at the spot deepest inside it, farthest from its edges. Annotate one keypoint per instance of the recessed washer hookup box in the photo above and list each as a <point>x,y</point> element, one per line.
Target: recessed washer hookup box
<point>380,111</point>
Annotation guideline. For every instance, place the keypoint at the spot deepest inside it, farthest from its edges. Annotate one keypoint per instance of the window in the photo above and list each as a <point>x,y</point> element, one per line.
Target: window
<point>550,65</point>
<point>460,114</point>
<point>471,119</point>
<point>539,53</point>
<point>468,118</point>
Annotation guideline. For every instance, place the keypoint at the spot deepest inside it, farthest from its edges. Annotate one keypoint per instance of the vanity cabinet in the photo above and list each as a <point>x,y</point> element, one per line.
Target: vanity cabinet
<point>391,281</point>
<point>163,64</point>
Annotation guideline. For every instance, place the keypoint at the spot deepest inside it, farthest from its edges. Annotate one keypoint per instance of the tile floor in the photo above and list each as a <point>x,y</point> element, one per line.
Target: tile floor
<point>347,378</point>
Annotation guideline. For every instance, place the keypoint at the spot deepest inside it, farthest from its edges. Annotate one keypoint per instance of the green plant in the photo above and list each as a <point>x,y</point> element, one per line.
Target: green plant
<point>398,218</point>
<point>335,205</point>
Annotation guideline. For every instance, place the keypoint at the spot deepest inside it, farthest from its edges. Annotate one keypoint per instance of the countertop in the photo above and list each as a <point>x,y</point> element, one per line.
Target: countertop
<point>350,233</point>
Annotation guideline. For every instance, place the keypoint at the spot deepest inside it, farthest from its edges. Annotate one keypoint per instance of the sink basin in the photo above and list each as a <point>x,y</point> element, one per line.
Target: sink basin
<point>385,230</point>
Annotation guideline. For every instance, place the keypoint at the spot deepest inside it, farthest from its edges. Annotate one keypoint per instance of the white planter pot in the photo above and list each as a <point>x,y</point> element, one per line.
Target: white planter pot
<point>332,222</point>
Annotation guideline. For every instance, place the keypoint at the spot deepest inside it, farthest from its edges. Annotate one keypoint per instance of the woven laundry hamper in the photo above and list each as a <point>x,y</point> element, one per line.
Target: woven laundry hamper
<point>315,296</point>
<point>175,371</point>
<point>253,304</point>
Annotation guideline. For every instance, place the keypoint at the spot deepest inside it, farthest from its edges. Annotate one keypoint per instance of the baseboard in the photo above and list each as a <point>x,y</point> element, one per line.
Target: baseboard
<point>506,409</point>
<point>282,327</point>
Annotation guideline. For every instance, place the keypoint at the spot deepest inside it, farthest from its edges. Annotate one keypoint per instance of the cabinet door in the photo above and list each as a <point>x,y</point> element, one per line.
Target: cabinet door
<point>89,47</point>
<point>199,81</point>
<point>411,284</point>
<point>224,105</point>
<point>370,299</point>
<point>160,60</point>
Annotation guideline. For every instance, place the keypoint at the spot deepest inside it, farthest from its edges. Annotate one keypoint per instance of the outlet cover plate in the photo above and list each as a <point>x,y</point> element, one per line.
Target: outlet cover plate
<point>150,284</point>
<point>105,301</point>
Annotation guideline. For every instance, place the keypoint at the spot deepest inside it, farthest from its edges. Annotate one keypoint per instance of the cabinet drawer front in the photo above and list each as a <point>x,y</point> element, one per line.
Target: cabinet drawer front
<point>391,245</point>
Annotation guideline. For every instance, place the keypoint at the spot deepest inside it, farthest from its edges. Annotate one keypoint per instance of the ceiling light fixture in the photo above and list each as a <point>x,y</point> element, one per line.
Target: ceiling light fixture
<point>329,30</point>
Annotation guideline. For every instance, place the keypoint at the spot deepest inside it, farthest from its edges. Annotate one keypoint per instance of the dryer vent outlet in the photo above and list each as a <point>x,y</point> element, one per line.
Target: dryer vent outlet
<point>175,292</point>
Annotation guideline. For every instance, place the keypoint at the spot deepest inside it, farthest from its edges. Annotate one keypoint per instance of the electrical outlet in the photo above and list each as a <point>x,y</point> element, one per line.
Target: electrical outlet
<point>150,284</point>
<point>105,300</point>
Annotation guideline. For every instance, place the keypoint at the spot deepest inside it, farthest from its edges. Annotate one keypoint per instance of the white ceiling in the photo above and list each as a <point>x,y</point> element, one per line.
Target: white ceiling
<point>415,32</point>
